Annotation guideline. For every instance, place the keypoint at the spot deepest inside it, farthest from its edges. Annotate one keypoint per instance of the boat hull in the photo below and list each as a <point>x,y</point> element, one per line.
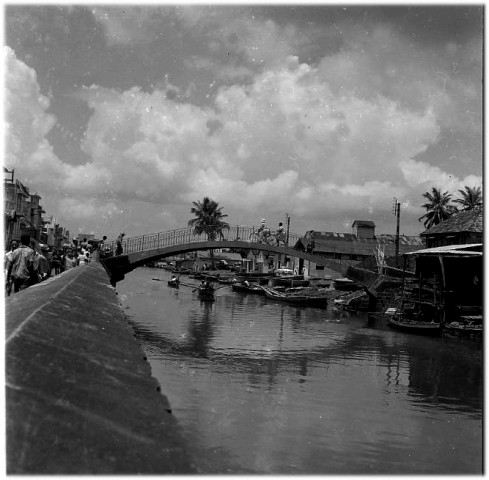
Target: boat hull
<point>299,300</point>
<point>420,328</point>
<point>252,288</point>
<point>206,293</point>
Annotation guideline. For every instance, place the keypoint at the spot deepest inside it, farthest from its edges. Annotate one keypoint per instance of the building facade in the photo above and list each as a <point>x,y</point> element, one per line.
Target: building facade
<point>354,248</point>
<point>23,214</point>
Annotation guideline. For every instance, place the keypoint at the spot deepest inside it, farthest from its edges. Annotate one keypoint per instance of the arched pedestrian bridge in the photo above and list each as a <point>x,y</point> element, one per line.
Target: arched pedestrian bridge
<point>138,251</point>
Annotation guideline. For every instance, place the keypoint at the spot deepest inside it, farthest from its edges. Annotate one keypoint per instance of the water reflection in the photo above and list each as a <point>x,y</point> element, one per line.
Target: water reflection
<point>263,387</point>
<point>201,329</point>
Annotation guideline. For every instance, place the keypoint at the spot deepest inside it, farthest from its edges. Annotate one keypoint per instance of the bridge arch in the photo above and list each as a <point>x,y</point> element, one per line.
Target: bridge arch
<point>118,267</point>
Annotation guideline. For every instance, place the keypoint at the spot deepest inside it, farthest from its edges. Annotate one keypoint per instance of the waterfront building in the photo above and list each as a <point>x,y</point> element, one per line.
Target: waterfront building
<point>23,213</point>
<point>460,229</point>
<point>354,248</point>
<point>56,235</point>
<point>446,285</point>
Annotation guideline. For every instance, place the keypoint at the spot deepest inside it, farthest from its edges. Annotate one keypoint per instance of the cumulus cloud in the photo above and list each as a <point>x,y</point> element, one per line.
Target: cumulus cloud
<point>287,132</point>
<point>27,123</point>
<point>420,174</point>
<point>320,139</point>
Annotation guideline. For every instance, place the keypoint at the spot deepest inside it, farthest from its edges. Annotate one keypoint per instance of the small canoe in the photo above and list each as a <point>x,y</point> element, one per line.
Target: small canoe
<point>206,293</point>
<point>174,283</point>
<point>251,287</point>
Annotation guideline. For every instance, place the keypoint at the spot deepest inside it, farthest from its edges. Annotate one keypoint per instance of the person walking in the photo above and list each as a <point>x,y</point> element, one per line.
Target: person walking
<point>70,260</point>
<point>21,267</point>
<point>56,261</point>
<point>40,265</point>
<point>44,263</point>
<point>101,246</point>
<point>80,256</point>
<point>14,244</point>
<point>118,249</point>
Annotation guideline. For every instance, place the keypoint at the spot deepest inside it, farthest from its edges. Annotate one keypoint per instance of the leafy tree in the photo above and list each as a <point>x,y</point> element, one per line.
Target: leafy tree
<point>208,220</point>
<point>438,207</point>
<point>471,199</point>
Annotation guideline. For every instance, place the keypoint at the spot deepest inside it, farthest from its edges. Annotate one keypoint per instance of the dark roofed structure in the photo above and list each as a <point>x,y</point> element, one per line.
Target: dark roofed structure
<point>356,247</point>
<point>364,228</point>
<point>460,229</point>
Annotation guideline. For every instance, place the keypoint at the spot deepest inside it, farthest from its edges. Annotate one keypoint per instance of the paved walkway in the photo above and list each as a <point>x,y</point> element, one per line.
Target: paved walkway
<point>80,398</point>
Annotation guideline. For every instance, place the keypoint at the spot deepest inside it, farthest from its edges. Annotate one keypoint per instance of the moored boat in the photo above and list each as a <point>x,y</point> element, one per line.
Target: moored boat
<point>293,281</point>
<point>415,326</point>
<point>226,280</point>
<point>248,287</point>
<point>345,284</point>
<point>467,326</point>
<point>297,298</point>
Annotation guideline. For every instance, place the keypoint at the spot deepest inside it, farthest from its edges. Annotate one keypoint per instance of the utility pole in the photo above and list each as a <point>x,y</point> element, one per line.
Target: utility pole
<point>288,228</point>
<point>396,210</point>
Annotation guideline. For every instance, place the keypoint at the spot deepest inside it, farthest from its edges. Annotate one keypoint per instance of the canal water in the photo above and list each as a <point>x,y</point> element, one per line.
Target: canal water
<point>261,387</point>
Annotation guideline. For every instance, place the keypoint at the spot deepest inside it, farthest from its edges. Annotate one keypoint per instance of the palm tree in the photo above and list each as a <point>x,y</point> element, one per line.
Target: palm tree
<point>471,198</point>
<point>438,207</point>
<point>209,220</point>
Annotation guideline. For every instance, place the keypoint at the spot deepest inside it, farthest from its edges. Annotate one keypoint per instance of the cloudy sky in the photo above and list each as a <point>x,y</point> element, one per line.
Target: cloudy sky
<point>121,116</point>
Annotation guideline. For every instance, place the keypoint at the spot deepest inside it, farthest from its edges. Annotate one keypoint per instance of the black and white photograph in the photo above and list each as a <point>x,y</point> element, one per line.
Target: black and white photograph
<point>243,238</point>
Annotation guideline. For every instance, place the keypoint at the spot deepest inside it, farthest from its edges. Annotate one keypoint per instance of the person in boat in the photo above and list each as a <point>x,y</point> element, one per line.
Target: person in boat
<point>174,279</point>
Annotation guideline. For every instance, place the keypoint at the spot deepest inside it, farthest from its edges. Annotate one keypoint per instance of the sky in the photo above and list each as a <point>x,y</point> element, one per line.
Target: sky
<point>121,115</point>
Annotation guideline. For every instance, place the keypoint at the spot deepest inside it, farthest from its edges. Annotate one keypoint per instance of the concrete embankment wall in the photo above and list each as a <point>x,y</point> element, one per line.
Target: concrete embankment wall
<point>80,398</point>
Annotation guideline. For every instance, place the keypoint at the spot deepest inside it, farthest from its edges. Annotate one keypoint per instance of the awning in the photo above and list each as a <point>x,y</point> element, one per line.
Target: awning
<point>468,249</point>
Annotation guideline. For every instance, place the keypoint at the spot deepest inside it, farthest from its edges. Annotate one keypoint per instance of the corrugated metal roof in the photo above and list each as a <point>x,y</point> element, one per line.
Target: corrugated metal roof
<point>352,238</point>
<point>470,221</point>
<point>327,242</point>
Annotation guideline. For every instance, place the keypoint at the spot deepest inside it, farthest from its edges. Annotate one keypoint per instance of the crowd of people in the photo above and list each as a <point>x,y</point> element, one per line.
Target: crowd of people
<point>29,263</point>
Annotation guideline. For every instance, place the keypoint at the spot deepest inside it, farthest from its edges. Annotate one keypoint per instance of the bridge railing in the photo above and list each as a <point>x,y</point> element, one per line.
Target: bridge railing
<point>184,236</point>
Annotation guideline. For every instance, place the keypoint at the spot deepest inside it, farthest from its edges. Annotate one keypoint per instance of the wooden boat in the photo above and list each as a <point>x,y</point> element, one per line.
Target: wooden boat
<point>206,292</point>
<point>261,278</point>
<point>250,287</point>
<point>469,326</point>
<point>296,298</point>
<point>289,282</point>
<point>357,300</point>
<point>415,326</point>
<point>226,280</point>
<point>197,276</point>
<point>174,283</point>
<point>181,271</point>
<point>345,284</point>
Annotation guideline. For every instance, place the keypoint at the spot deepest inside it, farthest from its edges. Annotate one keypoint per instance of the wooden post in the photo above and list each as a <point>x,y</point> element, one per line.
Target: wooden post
<point>288,229</point>
<point>398,212</point>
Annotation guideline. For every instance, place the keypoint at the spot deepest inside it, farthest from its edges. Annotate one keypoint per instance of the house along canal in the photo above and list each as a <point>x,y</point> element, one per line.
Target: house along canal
<point>260,387</point>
